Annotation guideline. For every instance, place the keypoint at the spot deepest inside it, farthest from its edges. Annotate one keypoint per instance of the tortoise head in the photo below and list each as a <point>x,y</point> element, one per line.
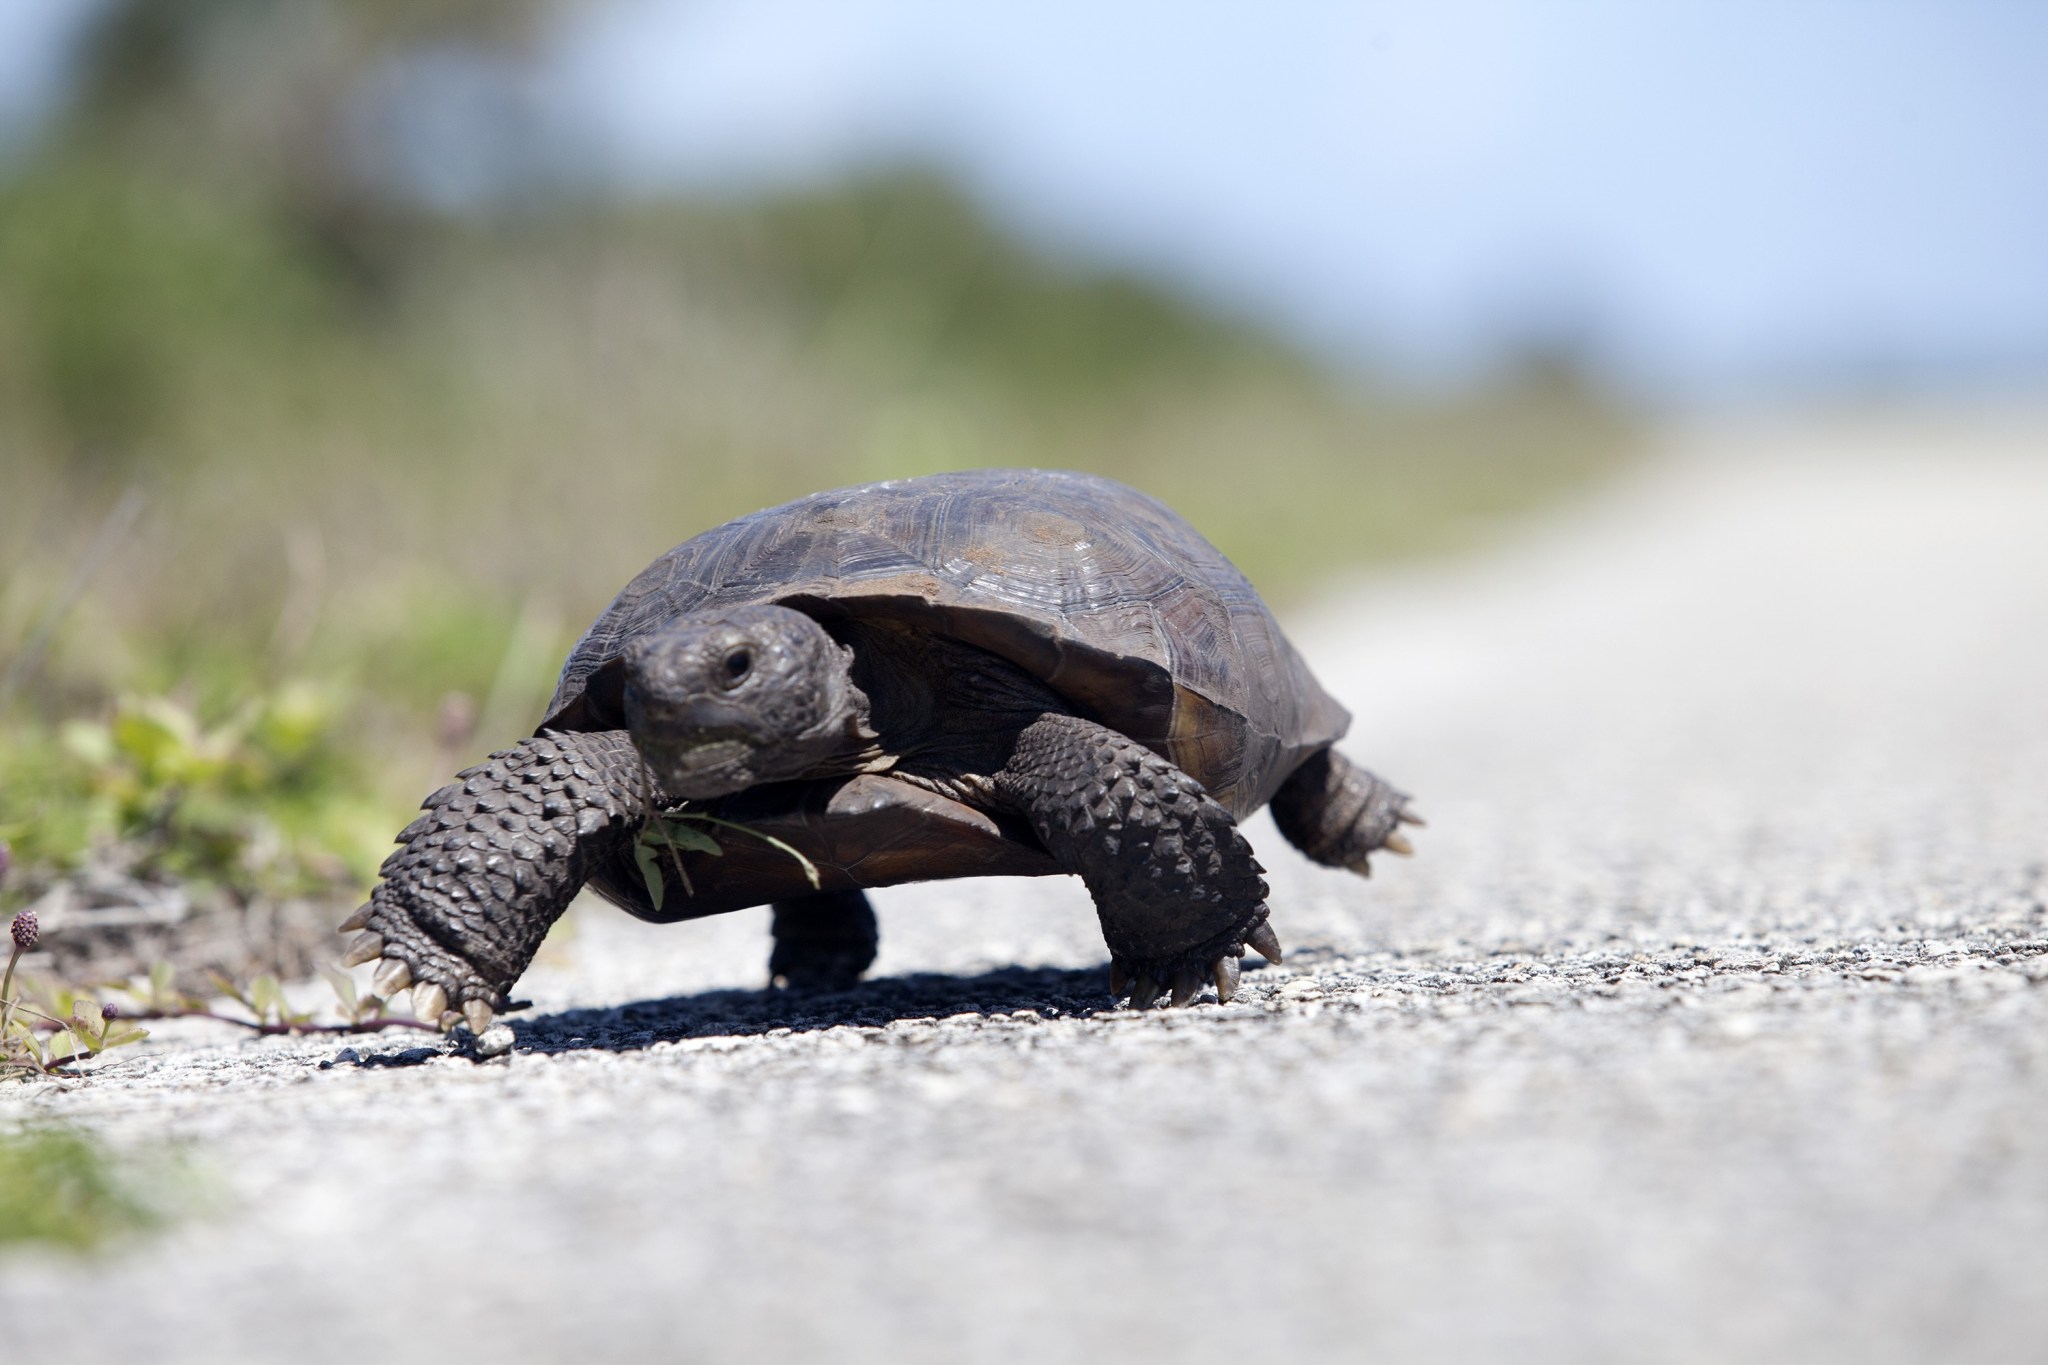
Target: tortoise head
<point>724,701</point>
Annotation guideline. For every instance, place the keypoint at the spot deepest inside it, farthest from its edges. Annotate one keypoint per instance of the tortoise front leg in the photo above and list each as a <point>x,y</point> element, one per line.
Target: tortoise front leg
<point>1176,887</point>
<point>482,875</point>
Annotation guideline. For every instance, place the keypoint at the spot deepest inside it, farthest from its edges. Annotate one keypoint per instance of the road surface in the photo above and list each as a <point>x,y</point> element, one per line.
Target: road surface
<point>1710,1023</point>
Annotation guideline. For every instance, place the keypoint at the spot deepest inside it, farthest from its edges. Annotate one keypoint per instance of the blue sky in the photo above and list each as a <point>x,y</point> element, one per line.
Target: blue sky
<point>1716,199</point>
<point>1717,196</point>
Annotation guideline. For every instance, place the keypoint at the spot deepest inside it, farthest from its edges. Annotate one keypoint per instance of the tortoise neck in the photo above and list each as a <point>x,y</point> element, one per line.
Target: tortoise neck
<point>937,712</point>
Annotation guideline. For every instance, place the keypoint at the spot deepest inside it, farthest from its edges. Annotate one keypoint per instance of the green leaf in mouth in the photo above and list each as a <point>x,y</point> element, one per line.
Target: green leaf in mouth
<point>692,838</point>
<point>650,868</point>
<point>684,830</point>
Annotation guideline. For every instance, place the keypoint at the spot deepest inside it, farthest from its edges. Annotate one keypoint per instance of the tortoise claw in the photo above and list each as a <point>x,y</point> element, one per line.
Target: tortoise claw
<point>1181,985</point>
<point>477,1015</point>
<point>1409,817</point>
<point>429,1003</point>
<point>1397,842</point>
<point>393,976</point>
<point>363,948</point>
<point>441,981</point>
<point>1226,972</point>
<point>1266,942</point>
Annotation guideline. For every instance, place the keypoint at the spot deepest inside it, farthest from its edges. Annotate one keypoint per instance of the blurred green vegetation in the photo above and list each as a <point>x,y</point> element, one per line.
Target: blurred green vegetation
<point>394,458</point>
<point>56,1187</point>
<point>264,803</point>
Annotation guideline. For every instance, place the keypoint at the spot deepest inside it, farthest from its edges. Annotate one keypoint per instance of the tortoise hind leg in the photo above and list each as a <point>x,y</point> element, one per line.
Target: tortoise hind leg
<point>822,942</point>
<point>1338,813</point>
<point>1175,885</point>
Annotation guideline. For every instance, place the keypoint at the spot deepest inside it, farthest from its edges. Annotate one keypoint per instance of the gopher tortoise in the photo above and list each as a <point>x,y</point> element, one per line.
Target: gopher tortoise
<point>1001,672</point>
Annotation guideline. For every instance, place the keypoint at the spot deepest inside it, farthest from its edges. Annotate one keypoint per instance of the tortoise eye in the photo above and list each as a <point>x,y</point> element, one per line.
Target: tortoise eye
<point>737,665</point>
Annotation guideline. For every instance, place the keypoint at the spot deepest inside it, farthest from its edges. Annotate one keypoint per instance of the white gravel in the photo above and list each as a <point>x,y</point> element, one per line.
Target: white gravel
<point>1711,1023</point>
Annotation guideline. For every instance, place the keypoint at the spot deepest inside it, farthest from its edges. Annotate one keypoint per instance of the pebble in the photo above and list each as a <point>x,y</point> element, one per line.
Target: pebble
<point>497,1041</point>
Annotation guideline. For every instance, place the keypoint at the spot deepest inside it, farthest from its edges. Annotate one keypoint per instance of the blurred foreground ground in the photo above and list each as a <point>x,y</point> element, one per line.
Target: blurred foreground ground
<point>1711,1023</point>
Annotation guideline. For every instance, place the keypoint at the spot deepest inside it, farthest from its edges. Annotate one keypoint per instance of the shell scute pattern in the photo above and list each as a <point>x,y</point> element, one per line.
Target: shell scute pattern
<point>1099,590</point>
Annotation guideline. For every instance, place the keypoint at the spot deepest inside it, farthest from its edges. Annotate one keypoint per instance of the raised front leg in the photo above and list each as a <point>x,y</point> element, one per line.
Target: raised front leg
<point>1339,814</point>
<point>822,942</point>
<point>493,862</point>
<point>1175,885</point>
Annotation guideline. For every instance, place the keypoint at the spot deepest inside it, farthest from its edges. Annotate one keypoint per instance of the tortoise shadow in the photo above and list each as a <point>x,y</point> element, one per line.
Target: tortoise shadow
<point>1047,992</point>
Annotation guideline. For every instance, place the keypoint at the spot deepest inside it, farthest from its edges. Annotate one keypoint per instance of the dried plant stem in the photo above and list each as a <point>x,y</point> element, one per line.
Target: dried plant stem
<point>274,1027</point>
<point>7,991</point>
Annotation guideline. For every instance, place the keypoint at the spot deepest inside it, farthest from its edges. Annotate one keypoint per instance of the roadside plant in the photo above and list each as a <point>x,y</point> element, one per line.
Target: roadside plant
<point>77,1024</point>
<point>47,1027</point>
<point>263,803</point>
<point>258,803</point>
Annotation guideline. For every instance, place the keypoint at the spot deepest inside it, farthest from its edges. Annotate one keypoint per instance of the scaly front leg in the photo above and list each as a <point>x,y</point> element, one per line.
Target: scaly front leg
<point>1176,887</point>
<point>482,875</point>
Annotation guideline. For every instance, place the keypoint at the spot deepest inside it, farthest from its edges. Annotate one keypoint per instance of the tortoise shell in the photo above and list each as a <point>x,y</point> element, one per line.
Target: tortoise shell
<point>1103,593</point>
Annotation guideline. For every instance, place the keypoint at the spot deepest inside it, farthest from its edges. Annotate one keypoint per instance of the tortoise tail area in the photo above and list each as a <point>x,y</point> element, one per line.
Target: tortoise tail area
<point>491,863</point>
<point>1339,814</point>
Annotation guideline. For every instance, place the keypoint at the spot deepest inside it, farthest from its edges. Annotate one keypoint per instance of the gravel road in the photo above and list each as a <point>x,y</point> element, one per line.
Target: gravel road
<point>1710,1023</point>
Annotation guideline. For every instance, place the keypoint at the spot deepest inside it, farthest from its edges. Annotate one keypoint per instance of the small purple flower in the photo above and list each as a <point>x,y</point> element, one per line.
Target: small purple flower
<point>25,930</point>
<point>110,1011</point>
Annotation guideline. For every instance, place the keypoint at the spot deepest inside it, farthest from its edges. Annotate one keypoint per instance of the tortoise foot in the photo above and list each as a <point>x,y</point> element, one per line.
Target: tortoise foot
<point>445,988</point>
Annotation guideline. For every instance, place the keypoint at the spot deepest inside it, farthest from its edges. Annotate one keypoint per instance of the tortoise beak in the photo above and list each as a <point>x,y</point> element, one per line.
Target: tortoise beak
<point>696,745</point>
<point>701,719</point>
<point>698,771</point>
